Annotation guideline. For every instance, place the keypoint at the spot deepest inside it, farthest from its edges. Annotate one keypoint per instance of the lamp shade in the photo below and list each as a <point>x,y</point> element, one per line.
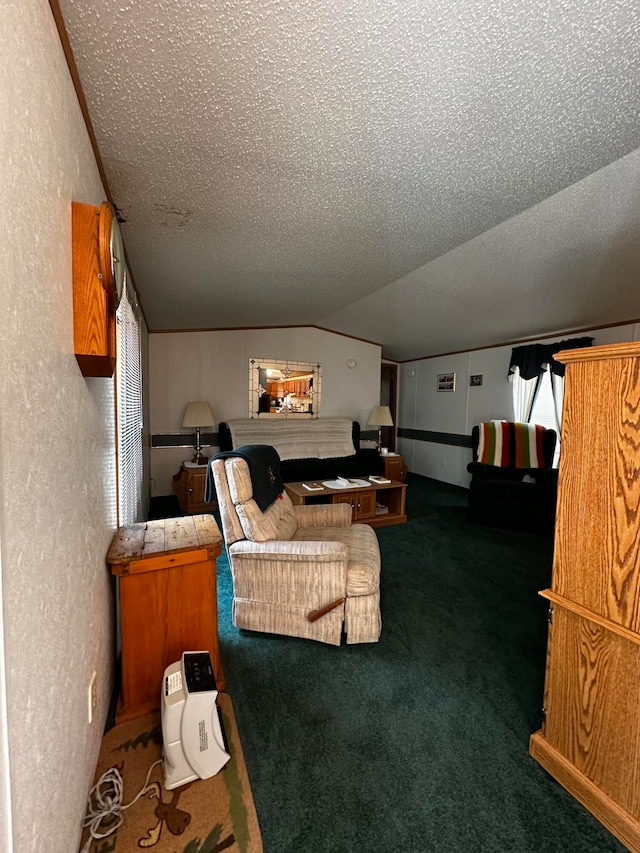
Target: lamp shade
<point>380,416</point>
<point>198,414</point>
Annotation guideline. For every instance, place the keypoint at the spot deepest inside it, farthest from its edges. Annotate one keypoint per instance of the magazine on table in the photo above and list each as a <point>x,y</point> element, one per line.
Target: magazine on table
<point>313,487</point>
<point>375,478</point>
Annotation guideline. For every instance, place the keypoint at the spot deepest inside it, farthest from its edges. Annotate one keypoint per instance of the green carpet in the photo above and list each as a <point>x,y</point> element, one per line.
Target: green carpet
<point>418,742</point>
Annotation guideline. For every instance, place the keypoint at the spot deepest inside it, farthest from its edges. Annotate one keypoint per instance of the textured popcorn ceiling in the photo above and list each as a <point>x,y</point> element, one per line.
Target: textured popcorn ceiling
<point>283,161</point>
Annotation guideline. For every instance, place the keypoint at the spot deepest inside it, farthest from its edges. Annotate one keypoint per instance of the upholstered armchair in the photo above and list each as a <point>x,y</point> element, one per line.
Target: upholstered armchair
<point>304,571</point>
<point>515,486</point>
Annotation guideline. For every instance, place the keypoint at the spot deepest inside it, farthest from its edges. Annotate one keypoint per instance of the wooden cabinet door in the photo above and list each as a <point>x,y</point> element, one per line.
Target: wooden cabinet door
<point>365,505</point>
<point>197,502</point>
<point>591,701</point>
<point>94,323</point>
<point>345,498</point>
<point>597,561</point>
<point>394,468</point>
<point>196,489</point>
<point>189,485</point>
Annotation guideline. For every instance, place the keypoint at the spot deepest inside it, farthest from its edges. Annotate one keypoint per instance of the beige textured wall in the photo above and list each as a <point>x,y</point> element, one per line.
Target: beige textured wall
<point>56,453</point>
<point>214,366</point>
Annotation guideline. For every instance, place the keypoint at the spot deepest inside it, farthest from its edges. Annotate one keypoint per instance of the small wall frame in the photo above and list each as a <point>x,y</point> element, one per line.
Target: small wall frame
<point>446,382</point>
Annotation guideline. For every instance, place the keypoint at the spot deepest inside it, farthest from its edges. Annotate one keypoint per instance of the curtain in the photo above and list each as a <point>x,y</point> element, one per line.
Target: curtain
<point>557,389</point>
<point>532,360</point>
<point>524,395</point>
<point>528,366</point>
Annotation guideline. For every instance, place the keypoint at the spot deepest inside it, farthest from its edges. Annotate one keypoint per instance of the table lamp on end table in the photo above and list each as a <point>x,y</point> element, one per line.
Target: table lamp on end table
<point>380,416</point>
<point>198,415</point>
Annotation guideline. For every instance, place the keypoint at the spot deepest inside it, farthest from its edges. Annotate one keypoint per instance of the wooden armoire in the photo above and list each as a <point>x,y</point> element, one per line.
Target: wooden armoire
<point>590,735</point>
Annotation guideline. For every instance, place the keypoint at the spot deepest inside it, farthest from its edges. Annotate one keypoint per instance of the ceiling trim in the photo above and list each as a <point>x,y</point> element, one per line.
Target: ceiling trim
<point>523,340</point>
<point>77,85</point>
<point>259,328</point>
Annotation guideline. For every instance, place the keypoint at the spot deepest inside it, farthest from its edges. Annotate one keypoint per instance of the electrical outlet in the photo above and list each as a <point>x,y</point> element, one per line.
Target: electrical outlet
<point>92,696</point>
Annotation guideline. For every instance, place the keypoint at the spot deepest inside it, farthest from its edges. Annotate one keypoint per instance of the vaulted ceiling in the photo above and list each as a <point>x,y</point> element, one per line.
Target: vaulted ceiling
<point>431,175</point>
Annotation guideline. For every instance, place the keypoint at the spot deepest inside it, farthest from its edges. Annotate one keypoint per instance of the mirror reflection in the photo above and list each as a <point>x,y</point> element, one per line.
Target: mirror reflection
<point>281,389</point>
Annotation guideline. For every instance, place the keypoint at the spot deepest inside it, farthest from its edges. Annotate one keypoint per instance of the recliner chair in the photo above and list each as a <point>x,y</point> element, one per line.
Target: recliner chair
<point>508,496</point>
<point>304,571</point>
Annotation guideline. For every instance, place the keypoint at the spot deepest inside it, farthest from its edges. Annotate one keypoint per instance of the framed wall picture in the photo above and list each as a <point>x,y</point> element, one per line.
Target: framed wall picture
<point>446,382</point>
<point>475,379</point>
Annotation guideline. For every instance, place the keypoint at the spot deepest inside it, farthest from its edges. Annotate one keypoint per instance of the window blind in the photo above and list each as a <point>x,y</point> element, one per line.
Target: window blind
<point>129,409</point>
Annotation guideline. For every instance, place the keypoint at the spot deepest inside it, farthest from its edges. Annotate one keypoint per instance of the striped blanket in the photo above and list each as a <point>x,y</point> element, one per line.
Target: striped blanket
<point>322,438</point>
<point>512,445</point>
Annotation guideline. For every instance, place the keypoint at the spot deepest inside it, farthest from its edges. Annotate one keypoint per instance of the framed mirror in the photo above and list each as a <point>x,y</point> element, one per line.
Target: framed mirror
<point>284,389</point>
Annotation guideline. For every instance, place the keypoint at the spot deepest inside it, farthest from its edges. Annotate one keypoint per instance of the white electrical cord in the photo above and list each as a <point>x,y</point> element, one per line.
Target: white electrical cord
<point>105,799</point>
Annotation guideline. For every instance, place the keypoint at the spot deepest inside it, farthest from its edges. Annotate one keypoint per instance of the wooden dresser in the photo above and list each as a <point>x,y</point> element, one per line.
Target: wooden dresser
<point>590,737</point>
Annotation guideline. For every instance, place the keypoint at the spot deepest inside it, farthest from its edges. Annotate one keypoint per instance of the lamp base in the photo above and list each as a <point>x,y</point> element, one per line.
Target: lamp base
<point>199,459</point>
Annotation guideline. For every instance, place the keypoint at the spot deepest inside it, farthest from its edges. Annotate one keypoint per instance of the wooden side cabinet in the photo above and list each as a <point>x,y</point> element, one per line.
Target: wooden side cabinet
<point>189,485</point>
<point>394,468</point>
<point>590,736</point>
<point>168,603</point>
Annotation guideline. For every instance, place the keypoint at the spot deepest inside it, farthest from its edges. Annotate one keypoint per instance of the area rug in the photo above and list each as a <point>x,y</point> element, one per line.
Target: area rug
<point>205,816</point>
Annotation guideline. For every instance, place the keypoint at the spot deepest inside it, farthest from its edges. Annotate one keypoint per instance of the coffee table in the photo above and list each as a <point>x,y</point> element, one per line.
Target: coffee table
<point>376,504</point>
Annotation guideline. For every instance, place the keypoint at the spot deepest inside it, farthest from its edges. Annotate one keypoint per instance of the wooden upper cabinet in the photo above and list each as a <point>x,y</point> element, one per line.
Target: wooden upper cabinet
<point>94,328</point>
<point>597,553</point>
<point>295,387</point>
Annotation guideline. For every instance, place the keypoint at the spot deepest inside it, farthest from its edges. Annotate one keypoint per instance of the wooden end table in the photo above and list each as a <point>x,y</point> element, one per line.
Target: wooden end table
<point>168,603</point>
<point>189,485</point>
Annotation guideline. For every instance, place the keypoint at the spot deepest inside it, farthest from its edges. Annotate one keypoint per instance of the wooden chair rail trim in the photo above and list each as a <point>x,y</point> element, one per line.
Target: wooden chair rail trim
<point>627,633</point>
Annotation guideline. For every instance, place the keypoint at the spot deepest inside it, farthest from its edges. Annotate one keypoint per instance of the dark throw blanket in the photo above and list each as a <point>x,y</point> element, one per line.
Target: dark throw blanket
<point>264,470</point>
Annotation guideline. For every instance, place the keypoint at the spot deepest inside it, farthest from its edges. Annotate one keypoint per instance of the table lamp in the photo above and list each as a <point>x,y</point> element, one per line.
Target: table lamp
<point>380,416</point>
<point>198,415</point>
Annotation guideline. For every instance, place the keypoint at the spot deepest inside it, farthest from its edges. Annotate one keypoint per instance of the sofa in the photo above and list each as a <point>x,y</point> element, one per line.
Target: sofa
<point>307,447</point>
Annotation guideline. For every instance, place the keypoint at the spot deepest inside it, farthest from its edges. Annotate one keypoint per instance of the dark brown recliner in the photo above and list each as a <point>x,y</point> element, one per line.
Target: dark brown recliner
<point>511,497</point>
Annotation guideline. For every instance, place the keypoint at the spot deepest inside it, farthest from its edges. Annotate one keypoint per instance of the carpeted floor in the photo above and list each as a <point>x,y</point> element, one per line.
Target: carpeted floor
<point>419,742</point>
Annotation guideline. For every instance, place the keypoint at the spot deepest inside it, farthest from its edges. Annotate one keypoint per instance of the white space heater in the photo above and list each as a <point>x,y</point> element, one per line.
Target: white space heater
<point>192,732</point>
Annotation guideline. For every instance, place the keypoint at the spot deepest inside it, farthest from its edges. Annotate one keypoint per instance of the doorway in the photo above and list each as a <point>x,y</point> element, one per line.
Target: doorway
<point>389,397</point>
